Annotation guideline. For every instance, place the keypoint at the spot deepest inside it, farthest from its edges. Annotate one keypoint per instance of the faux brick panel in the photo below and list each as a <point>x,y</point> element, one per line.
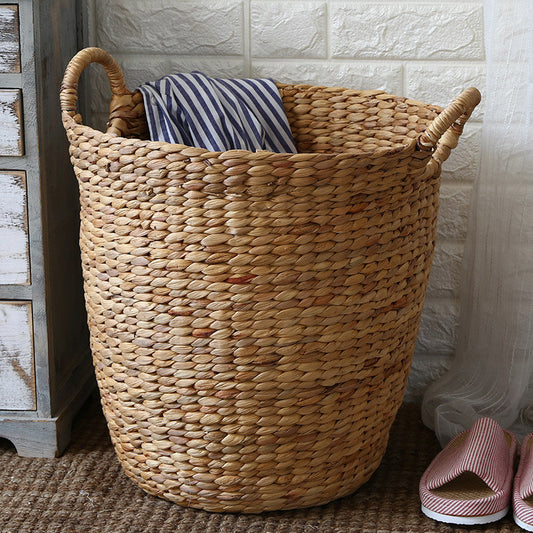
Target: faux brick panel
<point>465,160</point>
<point>351,75</point>
<point>288,29</point>
<point>184,27</point>
<point>406,30</point>
<point>440,83</point>
<point>453,212</point>
<point>438,327</point>
<point>217,67</point>
<point>445,279</point>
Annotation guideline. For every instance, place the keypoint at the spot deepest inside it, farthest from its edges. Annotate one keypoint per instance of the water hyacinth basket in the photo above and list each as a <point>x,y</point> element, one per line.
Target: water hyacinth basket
<point>253,314</point>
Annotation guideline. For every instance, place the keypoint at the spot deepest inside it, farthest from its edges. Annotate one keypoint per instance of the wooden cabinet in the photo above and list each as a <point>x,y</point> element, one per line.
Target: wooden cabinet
<point>45,367</point>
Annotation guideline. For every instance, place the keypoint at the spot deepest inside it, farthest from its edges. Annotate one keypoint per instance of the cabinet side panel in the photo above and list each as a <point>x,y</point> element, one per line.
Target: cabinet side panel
<point>56,43</point>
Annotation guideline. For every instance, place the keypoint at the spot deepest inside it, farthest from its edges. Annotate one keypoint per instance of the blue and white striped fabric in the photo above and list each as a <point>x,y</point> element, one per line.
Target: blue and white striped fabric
<point>217,114</point>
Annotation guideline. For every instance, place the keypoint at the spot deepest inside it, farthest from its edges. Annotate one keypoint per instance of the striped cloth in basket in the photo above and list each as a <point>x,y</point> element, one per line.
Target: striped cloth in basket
<point>217,114</point>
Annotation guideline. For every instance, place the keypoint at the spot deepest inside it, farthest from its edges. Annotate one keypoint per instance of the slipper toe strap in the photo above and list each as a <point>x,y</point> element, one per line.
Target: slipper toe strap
<point>483,450</point>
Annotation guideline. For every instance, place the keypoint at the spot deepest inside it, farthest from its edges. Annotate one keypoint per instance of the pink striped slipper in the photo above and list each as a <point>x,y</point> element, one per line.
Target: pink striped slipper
<point>469,482</point>
<point>523,486</point>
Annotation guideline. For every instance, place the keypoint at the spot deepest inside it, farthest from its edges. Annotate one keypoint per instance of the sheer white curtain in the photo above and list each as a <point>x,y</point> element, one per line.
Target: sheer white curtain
<point>492,371</point>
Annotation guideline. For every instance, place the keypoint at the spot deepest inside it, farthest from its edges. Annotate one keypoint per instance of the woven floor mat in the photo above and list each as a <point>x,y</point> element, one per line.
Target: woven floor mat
<point>86,491</point>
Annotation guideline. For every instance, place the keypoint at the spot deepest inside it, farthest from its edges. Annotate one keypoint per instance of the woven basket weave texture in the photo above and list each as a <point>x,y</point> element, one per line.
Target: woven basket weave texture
<point>253,315</point>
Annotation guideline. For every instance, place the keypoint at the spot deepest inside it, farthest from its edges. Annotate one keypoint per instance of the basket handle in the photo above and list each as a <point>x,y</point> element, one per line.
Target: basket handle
<point>442,135</point>
<point>69,87</point>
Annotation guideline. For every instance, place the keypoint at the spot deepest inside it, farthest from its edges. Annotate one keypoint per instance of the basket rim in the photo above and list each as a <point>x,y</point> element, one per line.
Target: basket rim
<point>438,138</point>
<point>399,149</point>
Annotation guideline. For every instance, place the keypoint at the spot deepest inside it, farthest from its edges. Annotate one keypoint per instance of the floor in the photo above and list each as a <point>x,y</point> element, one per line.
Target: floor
<point>85,491</point>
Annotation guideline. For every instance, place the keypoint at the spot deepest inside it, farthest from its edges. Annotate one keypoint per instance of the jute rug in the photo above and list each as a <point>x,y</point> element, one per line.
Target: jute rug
<point>85,491</point>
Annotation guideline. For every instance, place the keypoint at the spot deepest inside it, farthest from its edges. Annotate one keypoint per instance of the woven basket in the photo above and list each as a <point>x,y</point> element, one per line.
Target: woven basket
<point>253,315</point>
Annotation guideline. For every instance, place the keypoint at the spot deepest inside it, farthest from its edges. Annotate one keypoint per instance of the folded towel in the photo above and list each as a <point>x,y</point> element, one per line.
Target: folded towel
<point>217,114</point>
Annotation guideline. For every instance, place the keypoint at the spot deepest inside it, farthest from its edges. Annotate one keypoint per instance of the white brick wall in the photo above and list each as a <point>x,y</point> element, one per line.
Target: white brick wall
<point>426,49</point>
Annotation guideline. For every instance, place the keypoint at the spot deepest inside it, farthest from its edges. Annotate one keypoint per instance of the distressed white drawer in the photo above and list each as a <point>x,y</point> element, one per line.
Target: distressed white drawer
<point>17,376</point>
<point>9,38</point>
<point>14,248</point>
<point>11,129</point>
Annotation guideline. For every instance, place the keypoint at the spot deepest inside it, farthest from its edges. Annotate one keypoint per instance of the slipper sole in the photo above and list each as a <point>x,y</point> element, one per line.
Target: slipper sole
<point>467,520</point>
<point>523,525</point>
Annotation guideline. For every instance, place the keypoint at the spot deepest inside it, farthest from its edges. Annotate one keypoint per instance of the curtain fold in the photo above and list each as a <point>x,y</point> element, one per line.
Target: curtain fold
<point>491,373</point>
